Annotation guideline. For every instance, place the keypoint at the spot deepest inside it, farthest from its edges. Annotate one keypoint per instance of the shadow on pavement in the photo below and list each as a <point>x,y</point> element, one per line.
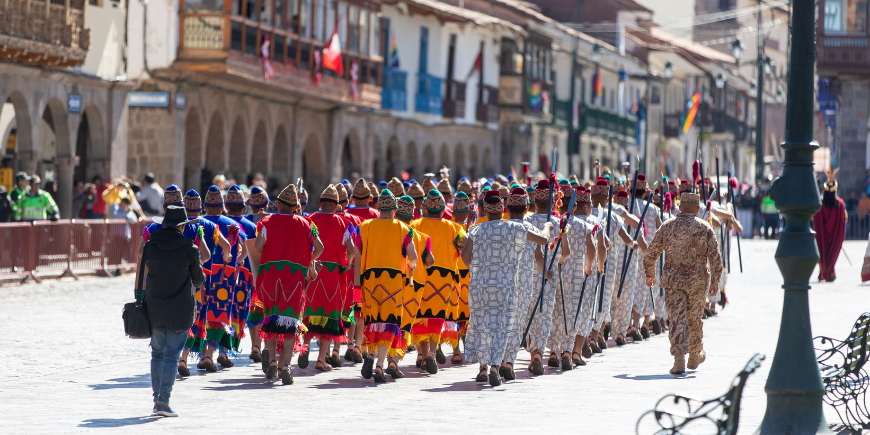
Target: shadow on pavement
<point>139,381</point>
<point>117,422</point>
<point>654,377</point>
<point>469,385</point>
<point>257,383</point>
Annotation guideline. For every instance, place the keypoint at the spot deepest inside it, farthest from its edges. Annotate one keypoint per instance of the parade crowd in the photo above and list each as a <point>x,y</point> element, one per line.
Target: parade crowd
<point>555,265</point>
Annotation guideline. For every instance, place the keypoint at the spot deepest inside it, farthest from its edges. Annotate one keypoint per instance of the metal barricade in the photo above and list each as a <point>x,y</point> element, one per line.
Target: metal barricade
<point>87,244</point>
<point>52,247</point>
<point>122,243</point>
<point>17,251</point>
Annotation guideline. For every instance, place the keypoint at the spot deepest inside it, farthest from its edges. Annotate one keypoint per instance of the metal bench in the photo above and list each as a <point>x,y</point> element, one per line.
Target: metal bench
<point>721,415</point>
<point>842,368</point>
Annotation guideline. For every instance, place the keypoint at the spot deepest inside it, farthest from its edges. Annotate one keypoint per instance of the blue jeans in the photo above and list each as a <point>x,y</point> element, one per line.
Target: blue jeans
<point>166,347</point>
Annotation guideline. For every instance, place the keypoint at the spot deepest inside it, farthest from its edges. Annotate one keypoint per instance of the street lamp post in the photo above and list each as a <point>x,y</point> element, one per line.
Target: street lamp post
<point>794,387</point>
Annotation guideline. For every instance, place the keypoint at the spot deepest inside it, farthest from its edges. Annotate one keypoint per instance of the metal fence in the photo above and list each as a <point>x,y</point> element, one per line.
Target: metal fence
<point>857,228</point>
<point>67,246</point>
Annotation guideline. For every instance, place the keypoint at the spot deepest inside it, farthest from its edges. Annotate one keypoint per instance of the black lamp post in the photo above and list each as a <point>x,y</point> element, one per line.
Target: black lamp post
<point>794,387</point>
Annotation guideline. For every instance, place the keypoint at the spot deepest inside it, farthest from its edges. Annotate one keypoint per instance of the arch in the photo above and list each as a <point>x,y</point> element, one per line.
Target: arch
<point>192,148</point>
<point>473,161</point>
<point>444,156</point>
<point>281,166</point>
<point>260,161</point>
<point>313,172</point>
<point>412,161</point>
<point>428,162</point>
<point>238,153</point>
<point>55,115</point>
<point>394,158</point>
<point>351,156</point>
<point>23,124</point>
<point>461,162</point>
<point>215,150</point>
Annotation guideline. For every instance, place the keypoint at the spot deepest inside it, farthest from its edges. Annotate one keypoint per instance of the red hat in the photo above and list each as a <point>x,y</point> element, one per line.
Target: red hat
<point>601,187</point>
<point>641,182</point>
<point>621,198</point>
<point>491,193</point>
<point>584,195</point>
<point>543,185</point>
<point>621,194</point>
<point>518,191</point>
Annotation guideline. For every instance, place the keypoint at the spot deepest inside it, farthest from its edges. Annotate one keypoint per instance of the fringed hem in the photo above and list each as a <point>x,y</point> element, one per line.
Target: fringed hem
<point>323,326</point>
<point>382,335</point>
<point>451,334</point>
<point>425,329</point>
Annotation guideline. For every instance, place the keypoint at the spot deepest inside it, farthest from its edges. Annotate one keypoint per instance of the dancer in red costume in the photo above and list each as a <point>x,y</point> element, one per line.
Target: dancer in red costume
<point>830,226</point>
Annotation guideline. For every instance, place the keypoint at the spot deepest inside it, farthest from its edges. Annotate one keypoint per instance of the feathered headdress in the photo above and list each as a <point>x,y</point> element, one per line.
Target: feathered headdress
<point>667,202</point>
<point>831,184</point>
<point>732,183</point>
<point>696,172</point>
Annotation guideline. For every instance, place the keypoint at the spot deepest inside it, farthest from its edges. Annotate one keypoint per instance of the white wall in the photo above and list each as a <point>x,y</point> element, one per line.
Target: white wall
<point>162,36</point>
<point>105,58</point>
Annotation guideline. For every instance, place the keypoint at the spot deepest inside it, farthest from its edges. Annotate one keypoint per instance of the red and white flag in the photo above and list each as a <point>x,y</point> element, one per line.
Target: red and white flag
<point>332,54</point>
<point>317,71</point>
<point>475,68</point>
<point>268,72</point>
<point>354,78</point>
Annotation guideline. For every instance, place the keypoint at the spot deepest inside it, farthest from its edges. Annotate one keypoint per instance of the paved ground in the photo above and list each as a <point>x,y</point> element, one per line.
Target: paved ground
<point>69,368</point>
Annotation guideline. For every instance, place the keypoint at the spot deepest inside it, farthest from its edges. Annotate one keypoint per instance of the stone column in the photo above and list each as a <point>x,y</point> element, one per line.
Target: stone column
<point>65,169</point>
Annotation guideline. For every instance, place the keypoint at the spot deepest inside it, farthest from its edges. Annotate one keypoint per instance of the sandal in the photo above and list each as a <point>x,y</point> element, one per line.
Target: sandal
<point>579,361</point>
<point>620,341</point>
<point>586,351</point>
<point>553,361</point>
<point>419,362</point>
<point>272,371</point>
<point>334,360</point>
<point>393,371</point>
<point>182,368</point>
<point>322,366</point>
<point>207,365</point>
<point>367,367</point>
<point>593,346</point>
<point>379,377</point>
<point>567,363</point>
<point>431,367</point>
<point>357,355</point>
<point>482,376</point>
<point>286,375</point>
<point>303,360</point>
<point>509,374</point>
<point>348,356</point>
<point>494,379</point>
<point>537,367</point>
<point>224,361</point>
<point>453,359</point>
<point>606,331</point>
<point>601,343</point>
<point>264,355</point>
<point>439,356</point>
<point>255,357</point>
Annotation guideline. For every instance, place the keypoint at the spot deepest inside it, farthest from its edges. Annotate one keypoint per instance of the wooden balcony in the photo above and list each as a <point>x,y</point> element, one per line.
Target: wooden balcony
<point>44,33</point>
<point>487,108</point>
<point>842,54</point>
<point>232,45</point>
<point>454,100</point>
<point>608,124</point>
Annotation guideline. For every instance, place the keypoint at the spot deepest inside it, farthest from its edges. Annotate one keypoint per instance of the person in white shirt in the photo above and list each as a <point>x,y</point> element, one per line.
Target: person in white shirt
<point>150,197</point>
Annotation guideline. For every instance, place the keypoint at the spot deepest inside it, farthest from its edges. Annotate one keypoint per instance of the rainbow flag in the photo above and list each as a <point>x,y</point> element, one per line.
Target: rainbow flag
<point>691,111</point>
<point>394,54</point>
<point>597,90</point>
<point>536,96</point>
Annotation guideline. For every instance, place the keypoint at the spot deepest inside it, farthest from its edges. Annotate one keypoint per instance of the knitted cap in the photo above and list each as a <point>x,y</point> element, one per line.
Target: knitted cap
<point>289,197</point>
<point>464,186</point>
<point>444,187</point>
<point>689,198</point>
<point>434,202</point>
<point>584,195</point>
<point>330,194</point>
<point>235,197</point>
<point>601,187</point>
<point>373,190</point>
<point>387,201</point>
<point>258,199</point>
<point>684,187</point>
<point>342,193</point>
<point>405,207</point>
<point>361,190</point>
<point>461,202</point>
<point>503,191</point>
<point>517,196</point>
<point>192,201</point>
<point>621,198</point>
<point>396,188</point>
<point>416,192</point>
<point>641,182</point>
<point>492,203</point>
<point>542,190</point>
<point>214,198</point>
<point>172,196</point>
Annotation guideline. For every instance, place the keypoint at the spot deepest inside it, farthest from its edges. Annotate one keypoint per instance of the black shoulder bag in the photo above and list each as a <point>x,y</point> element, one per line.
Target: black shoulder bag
<point>136,323</point>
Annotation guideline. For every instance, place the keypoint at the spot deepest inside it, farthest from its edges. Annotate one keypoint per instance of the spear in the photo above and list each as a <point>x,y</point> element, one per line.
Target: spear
<point>665,188</point>
<point>731,192</point>
<point>606,234</point>
<point>721,230</point>
<point>549,211</point>
<point>579,303</point>
<point>631,211</point>
<point>636,235</point>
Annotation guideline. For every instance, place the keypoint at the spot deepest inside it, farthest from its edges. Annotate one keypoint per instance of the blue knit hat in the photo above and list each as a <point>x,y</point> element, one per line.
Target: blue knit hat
<point>214,197</point>
<point>235,196</point>
<point>172,196</point>
<point>192,201</point>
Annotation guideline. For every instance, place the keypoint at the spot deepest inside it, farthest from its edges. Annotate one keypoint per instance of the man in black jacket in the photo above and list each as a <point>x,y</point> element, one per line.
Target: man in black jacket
<point>173,268</point>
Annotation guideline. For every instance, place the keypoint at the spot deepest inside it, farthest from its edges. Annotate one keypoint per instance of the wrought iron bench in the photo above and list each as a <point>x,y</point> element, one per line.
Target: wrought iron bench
<point>842,367</point>
<point>721,414</point>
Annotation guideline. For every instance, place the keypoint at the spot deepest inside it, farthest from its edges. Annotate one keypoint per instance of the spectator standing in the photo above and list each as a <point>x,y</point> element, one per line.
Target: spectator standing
<point>99,207</point>
<point>22,184</point>
<point>36,204</point>
<point>173,269</point>
<point>771,217</point>
<point>5,206</point>
<point>150,196</point>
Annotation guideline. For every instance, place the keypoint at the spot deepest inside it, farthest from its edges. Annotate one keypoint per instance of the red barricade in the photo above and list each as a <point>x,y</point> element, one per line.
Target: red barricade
<point>87,244</point>
<point>16,251</point>
<point>52,246</point>
<point>122,243</point>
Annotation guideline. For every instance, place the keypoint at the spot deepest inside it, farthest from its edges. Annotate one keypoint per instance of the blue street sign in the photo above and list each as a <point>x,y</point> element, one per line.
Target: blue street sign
<point>148,99</point>
<point>74,104</point>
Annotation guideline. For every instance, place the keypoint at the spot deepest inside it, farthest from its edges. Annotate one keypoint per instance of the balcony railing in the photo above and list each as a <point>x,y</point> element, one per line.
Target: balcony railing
<point>608,124</point>
<point>428,97</point>
<point>487,108</point>
<point>46,33</point>
<point>673,127</point>
<point>394,95</point>
<point>561,113</point>
<point>454,100</point>
<point>233,44</point>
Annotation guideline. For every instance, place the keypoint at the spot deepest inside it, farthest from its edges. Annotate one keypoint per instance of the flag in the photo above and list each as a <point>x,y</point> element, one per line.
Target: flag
<point>475,68</point>
<point>354,78</point>
<point>536,97</point>
<point>394,53</point>
<point>597,91</point>
<point>268,72</point>
<point>317,71</point>
<point>691,111</point>
<point>332,54</point>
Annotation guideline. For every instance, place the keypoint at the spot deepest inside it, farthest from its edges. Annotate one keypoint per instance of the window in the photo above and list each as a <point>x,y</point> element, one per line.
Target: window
<point>342,22</point>
<point>846,16</point>
<point>353,29</point>
<point>330,18</point>
<point>318,20</point>
<point>206,6</point>
<point>374,39</point>
<point>424,50</point>
<point>511,58</point>
<point>303,18</point>
<point>364,32</point>
<point>281,21</point>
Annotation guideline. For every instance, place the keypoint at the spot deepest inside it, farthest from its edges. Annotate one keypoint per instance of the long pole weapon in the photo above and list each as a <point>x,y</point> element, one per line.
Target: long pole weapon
<point>631,211</point>
<point>636,235</point>
<point>721,230</point>
<point>731,193</point>
<point>665,189</point>
<point>606,234</point>
<point>549,212</point>
<point>580,303</point>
